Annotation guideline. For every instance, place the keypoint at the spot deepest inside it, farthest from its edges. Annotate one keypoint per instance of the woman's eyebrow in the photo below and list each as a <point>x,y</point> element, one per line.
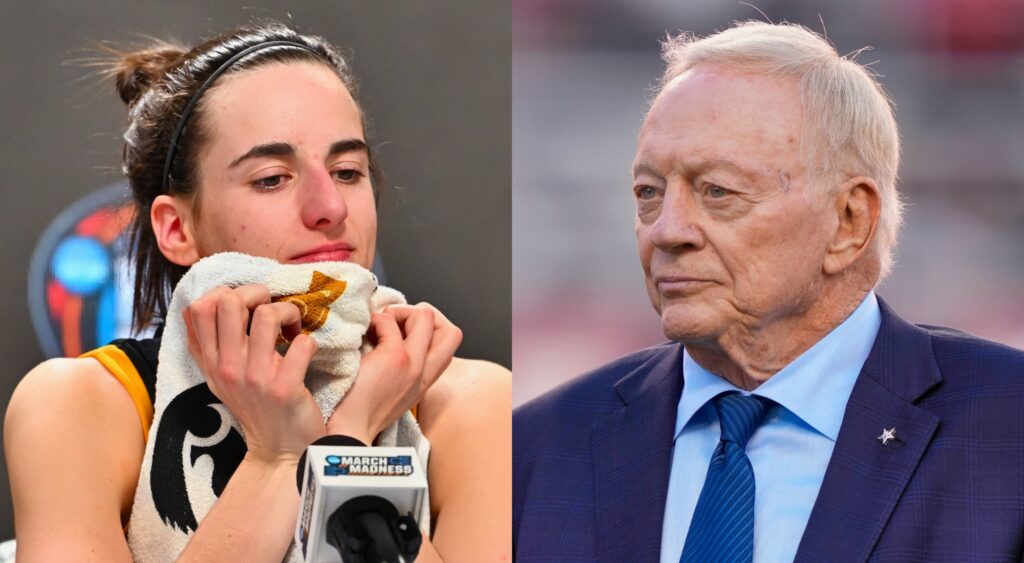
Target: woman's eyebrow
<point>348,145</point>
<point>266,149</point>
<point>287,149</point>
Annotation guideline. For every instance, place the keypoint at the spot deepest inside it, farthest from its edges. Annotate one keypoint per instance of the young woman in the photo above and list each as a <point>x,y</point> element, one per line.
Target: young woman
<point>271,160</point>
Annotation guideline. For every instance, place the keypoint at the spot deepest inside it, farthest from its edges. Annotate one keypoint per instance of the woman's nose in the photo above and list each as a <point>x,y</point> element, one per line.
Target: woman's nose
<point>323,203</point>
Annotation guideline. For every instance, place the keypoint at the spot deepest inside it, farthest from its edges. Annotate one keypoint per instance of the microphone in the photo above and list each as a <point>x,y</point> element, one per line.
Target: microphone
<point>358,504</point>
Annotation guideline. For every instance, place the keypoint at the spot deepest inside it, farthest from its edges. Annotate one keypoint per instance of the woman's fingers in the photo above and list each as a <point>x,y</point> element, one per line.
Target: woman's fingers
<point>419,332</point>
<point>267,321</point>
<point>193,341</point>
<point>203,313</point>
<point>390,353</point>
<point>232,334</point>
<point>447,339</point>
<point>253,295</point>
<point>444,340</point>
<point>296,360</point>
<point>291,330</point>
<point>232,340</point>
<point>385,328</point>
<point>256,296</point>
<point>220,328</point>
<point>442,350</point>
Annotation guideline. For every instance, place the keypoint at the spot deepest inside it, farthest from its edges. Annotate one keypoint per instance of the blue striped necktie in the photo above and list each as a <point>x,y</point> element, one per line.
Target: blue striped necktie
<point>722,529</point>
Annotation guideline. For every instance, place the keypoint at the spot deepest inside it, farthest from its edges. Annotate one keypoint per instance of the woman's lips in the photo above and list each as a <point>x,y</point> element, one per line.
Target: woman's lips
<point>330,255</point>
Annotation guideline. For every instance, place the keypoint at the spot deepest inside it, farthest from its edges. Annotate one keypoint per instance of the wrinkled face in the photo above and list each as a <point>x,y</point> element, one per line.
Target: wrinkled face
<point>285,171</point>
<point>731,232</point>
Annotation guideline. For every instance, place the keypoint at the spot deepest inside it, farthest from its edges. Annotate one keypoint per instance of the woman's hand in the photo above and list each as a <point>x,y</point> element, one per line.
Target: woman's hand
<point>264,391</point>
<point>414,346</point>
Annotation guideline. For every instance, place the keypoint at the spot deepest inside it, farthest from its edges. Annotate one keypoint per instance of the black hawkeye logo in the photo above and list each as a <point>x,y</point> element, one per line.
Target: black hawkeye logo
<point>375,465</point>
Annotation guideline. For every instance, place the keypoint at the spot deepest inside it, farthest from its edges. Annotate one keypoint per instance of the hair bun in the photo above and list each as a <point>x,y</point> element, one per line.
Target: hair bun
<point>135,72</point>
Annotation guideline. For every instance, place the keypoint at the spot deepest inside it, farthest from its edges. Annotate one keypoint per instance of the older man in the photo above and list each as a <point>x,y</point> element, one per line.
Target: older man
<point>793,415</point>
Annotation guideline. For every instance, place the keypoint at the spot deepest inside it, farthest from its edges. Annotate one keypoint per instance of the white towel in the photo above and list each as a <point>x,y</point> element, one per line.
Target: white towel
<point>196,441</point>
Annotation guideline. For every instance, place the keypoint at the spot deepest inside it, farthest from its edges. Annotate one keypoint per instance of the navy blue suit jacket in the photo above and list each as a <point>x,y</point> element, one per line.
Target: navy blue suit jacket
<point>592,458</point>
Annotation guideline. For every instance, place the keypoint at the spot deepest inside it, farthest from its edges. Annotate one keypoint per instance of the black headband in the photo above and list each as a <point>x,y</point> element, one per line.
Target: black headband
<point>165,181</point>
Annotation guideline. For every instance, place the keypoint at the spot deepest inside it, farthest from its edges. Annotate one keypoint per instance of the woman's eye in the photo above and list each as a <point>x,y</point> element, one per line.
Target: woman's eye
<point>646,192</point>
<point>717,192</point>
<point>269,182</point>
<point>348,175</point>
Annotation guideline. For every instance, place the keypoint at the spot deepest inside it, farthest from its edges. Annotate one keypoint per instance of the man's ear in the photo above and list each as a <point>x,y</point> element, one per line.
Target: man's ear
<point>858,204</point>
<point>174,229</point>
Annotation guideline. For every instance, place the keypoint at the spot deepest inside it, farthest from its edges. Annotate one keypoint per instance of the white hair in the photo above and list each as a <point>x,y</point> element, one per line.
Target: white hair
<point>845,108</point>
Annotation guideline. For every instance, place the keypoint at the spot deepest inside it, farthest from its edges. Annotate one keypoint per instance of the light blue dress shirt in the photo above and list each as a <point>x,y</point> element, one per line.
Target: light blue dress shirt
<point>789,451</point>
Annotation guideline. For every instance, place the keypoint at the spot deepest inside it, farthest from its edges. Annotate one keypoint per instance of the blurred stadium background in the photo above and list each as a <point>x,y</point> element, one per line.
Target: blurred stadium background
<point>582,72</point>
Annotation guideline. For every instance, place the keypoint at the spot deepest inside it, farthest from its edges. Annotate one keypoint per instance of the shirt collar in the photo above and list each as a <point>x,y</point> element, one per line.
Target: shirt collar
<point>815,386</point>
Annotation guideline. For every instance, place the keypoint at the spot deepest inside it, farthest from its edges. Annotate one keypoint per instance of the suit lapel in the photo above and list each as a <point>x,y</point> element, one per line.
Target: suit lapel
<point>632,453</point>
<point>865,478</point>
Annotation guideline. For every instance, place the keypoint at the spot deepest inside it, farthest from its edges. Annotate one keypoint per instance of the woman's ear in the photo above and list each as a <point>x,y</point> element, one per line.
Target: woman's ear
<point>858,205</point>
<point>174,229</point>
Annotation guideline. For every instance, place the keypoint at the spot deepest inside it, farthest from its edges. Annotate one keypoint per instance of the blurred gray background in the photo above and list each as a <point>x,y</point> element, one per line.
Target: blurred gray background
<point>583,70</point>
<point>434,78</point>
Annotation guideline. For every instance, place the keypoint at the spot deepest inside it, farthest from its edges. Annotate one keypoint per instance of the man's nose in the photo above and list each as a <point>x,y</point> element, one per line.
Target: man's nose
<point>323,201</point>
<point>678,226</point>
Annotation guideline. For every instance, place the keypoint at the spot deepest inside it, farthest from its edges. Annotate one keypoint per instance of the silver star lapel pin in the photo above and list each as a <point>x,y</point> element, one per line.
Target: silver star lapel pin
<point>887,435</point>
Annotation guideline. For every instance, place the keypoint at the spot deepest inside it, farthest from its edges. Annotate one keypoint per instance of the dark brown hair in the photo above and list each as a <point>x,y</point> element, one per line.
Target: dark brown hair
<point>157,83</point>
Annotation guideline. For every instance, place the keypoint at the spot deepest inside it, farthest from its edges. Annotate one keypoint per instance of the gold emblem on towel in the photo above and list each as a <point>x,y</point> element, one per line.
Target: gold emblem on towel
<point>316,303</point>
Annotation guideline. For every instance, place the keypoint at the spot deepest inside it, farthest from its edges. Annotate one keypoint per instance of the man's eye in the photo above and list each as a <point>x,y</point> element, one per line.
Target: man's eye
<point>717,192</point>
<point>646,192</point>
<point>269,182</point>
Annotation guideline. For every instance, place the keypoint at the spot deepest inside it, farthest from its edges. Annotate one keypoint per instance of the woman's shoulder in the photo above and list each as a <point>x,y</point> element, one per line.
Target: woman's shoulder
<point>469,392</point>
<point>469,382</point>
<point>59,379</point>
<point>464,371</point>
<point>75,410</point>
<point>64,397</point>
<point>467,416</point>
